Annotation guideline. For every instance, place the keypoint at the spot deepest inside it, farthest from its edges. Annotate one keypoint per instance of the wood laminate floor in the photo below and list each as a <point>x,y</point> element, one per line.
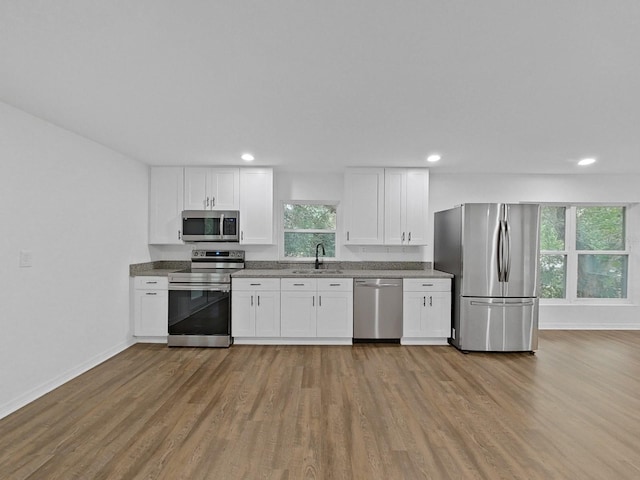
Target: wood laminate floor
<point>363,412</point>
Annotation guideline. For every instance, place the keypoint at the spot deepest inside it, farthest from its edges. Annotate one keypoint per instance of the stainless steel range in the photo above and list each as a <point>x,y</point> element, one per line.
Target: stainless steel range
<point>200,299</point>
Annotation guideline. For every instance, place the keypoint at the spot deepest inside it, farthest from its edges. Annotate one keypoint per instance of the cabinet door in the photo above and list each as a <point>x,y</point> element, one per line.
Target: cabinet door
<point>224,188</point>
<point>427,314</point>
<point>165,205</point>
<point>395,206</point>
<point>364,206</point>
<point>256,206</point>
<point>417,206</point>
<point>195,188</point>
<point>437,320</point>
<point>151,313</point>
<point>243,314</point>
<point>267,314</point>
<point>413,311</point>
<point>335,314</point>
<point>298,314</point>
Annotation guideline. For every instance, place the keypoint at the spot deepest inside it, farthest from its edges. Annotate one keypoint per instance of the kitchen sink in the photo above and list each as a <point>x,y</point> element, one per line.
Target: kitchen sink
<point>310,271</point>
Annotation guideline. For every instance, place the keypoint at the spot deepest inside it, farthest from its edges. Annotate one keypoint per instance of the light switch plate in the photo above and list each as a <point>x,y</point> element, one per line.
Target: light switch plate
<point>26,258</point>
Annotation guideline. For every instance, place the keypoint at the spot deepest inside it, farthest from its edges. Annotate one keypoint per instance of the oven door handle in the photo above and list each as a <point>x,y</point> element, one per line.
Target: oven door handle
<point>207,287</point>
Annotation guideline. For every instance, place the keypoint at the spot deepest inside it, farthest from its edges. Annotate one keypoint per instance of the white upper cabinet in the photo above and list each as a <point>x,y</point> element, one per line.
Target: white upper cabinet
<point>364,206</point>
<point>406,198</point>
<point>386,206</point>
<point>208,188</point>
<point>256,206</point>
<point>165,205</point>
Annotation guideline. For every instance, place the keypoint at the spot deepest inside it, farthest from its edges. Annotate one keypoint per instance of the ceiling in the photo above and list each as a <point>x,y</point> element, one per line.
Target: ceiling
<point>494,86</point>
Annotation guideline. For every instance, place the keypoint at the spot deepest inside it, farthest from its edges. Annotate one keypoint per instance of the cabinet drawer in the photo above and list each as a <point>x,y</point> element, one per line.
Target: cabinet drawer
<point>427,284</point>
<point>337,284</point>
<point>303,284</point>
<point>151,283</point>
<point>255,284</point>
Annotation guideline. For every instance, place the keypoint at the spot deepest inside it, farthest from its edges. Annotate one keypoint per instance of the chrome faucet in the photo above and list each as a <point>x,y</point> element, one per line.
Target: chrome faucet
<point>318,262</point>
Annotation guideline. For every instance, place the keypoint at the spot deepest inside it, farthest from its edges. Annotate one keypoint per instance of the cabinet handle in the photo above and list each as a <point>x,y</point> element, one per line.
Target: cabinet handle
<point>150,293</point>
<point>150,283</point>
<point>207,201</point>
<point>431,301</point>
<point>424,301</point>
<point>409,236</point>
<point>347,236</point>
<point>255,284</point>
<point>319,300</point>
<point>252,300</point>
<point>213,201</point>
<point>242,235</point>
<point>313,301</point>
<point>403,236</point>
<point>334,284</point>
<point>179,235</point>
<point>427,284</point>
<point>258,300</point>
<point>298,284</point>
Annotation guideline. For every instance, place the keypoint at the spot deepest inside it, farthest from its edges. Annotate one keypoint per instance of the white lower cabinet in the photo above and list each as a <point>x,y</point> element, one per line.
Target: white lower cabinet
<point>426,308</point>
<point>255,308</point>
<point>317,309</point>
<point>150,308</point>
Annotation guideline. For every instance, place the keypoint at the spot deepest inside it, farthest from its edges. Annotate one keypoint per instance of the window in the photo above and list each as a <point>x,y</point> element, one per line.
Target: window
<point>307,224</point>
<point>583,253</point>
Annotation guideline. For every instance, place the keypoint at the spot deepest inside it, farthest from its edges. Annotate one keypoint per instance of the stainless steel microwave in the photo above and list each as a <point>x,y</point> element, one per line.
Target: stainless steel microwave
<point>210,226</point>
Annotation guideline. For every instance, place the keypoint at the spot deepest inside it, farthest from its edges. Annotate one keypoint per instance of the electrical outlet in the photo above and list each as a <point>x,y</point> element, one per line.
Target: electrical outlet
<point>26,258</point>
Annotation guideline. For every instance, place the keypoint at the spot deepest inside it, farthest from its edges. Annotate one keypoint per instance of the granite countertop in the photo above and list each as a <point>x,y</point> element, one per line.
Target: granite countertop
<point>156,272</point>
<point>159,268</point>
<point>309,272</point>
<point>274,270</point>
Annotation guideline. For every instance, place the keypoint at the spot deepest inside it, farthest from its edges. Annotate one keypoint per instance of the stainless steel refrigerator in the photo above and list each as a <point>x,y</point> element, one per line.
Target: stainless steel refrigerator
<point>492,249</point>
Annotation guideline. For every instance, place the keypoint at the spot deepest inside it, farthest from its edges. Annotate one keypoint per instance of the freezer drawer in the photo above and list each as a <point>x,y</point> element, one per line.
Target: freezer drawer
<point>497,324</point>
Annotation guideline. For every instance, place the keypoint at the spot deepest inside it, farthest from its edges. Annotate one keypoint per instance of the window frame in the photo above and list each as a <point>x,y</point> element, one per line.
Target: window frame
<point>572,253</point>
<point>282,230</point>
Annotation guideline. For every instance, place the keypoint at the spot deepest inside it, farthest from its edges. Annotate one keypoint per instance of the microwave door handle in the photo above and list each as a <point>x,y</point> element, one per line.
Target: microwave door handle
<point>222,224</point>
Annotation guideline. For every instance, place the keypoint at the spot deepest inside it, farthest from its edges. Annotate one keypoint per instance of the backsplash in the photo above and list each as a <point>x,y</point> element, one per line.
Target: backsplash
<point>277,265</point>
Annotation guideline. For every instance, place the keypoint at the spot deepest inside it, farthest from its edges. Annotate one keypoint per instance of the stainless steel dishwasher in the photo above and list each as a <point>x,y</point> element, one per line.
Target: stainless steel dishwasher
<point>377,309</point>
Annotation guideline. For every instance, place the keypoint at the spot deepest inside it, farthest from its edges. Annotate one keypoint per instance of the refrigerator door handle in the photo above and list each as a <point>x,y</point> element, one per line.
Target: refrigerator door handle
<point>506,304</point>
<point>507,260</point>
<point>501,252</point>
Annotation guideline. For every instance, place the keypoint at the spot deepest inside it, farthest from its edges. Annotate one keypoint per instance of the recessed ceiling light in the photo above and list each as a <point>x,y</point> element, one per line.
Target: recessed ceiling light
<point>586,161</point>
<point>433,158</point>
<point>247,157</point>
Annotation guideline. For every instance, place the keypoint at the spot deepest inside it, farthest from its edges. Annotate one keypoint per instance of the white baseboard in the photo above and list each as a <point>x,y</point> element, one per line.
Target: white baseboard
<point>423,341</point>
<point>290,341</point>
<point>54,383</point>
<point>590,326</point>
<point>150,340</point>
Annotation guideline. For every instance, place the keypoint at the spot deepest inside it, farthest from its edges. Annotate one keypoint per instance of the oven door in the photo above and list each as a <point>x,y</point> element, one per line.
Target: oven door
<point>199,315</point>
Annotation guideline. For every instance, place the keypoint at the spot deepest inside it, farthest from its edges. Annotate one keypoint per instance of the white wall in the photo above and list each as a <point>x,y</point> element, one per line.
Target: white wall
<point>81,210</point>
<point>448,190</point>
